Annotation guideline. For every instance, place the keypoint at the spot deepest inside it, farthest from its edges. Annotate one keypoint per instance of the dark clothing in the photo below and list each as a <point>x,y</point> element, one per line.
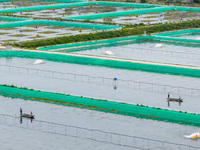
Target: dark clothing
<point>20,110</point>
<point>168,95</point>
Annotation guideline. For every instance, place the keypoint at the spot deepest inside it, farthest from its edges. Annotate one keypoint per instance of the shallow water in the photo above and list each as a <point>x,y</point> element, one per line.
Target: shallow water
<point>149,52</point>
<point>16,135</point>
<point>103,88</point>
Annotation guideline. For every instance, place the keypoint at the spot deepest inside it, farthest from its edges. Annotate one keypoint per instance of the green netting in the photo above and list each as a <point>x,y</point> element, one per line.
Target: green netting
<point>95,44</point>
<point>59,6</point>
<point>176,40</point>
<point>187,9</point>
<point>59,23</point>
<point>168,37</point>
<point>190,72</point>
<point>12,19</point>
<point>181,32</point>
<point>103,105</point>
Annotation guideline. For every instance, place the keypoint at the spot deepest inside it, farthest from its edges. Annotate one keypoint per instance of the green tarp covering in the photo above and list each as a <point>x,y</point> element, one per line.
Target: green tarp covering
<point>104,62</point>
<point>103,105</point>
<point>59,23</point>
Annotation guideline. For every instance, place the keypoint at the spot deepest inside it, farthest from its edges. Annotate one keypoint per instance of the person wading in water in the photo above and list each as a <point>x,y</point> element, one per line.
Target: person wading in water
<point>20,111</point>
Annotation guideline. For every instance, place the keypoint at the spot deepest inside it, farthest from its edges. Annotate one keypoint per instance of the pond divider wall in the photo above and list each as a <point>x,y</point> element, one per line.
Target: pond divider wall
<point>60,24</point>
<point>13,18</point>
<point>161,37</point>
<point>103,105</point>
<point>178,33</point>
<point>95,44</point>
<point>103,62</point>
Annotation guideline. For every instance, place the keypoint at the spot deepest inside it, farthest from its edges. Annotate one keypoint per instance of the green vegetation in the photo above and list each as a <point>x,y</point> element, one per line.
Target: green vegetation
<point>56,27</point>
<point>65,34</point>
<point>6,28</point>
<point>2,33</point>
<point>38,25</point>
<point>147,20</point>
<point>150,17</point>
<point>18,35</point>
<point>7,14</point>
<point>127,19</point>
<point>64,13</point>
<point>76,29</point>
<point>28,30</point>
<point>137,30</point>
<point>27,14</point>
<point>8,40</point>
<point>48,32</point>
<point>87,11</point>
<point>36,37</point>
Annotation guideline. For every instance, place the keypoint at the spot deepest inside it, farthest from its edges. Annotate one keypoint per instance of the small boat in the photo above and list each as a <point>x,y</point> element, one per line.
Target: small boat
<point>27,116</point>
<point>175,99</point>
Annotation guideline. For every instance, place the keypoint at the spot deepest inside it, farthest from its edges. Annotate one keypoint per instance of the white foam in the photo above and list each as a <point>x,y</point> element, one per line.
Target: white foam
<point>38,61</point>
<point>159,45</point>
<point>108,53</point>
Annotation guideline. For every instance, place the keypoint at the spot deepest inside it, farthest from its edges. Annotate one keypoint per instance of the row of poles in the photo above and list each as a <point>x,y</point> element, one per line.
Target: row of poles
<point>115,82</point>
<point>92,134</point>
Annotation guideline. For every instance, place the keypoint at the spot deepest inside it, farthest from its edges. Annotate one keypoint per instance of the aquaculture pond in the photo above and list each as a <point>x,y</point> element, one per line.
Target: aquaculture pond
<point>62,127</point>
<point>91,81</point>
<point>33,32</point>
<point>18,4</point>
<point>152,18</point>
<point>156,52</point>
<point>71,11</point>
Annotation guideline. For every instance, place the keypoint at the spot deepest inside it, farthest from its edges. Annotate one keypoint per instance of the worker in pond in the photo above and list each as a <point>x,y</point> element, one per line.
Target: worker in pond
<point>31,113</point>
<point>168,95</point>
<point>20,111</point>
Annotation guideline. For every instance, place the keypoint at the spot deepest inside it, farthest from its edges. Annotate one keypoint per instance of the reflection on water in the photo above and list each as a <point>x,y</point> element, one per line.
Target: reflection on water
<point>21,119</point>
<point>168,102</point>
<point>65,126</point>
